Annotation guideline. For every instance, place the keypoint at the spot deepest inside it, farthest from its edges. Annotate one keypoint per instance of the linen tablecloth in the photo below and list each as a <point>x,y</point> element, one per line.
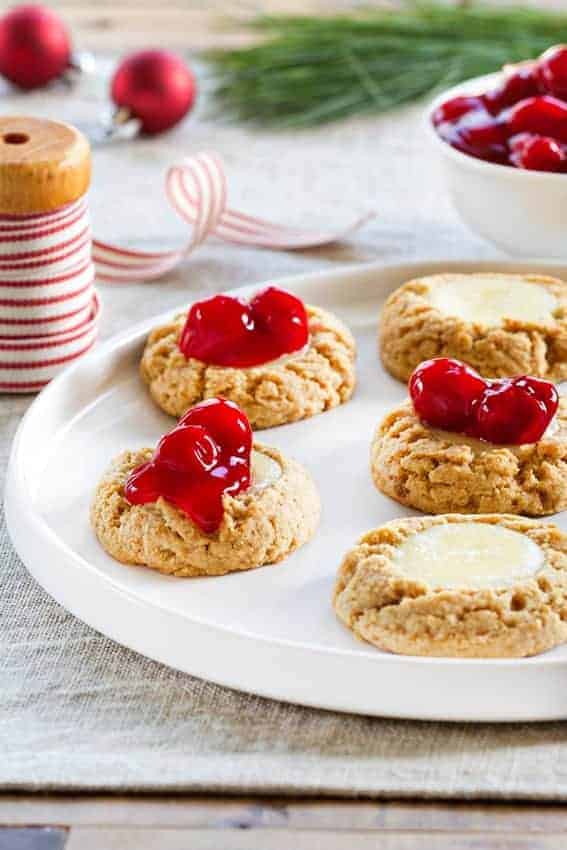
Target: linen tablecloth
<point>78,712</point>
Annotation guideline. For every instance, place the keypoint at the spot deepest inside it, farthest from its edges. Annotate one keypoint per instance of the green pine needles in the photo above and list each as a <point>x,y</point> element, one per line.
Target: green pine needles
<point>310,70</point>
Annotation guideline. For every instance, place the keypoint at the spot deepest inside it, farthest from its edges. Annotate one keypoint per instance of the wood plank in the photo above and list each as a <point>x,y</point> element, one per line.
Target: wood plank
<point>280,813</point>
<point>84,838</point>
<point>120,29</point>
<point>109,26</point>
<point>33,838</point>
<point>188,24</point>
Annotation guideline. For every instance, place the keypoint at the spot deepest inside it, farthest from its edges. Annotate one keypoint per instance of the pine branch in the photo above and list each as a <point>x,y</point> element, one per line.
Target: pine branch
<point>311,70</point>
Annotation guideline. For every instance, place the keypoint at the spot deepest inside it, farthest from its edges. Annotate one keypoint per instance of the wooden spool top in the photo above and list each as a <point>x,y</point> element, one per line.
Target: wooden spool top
<point>43,165</point>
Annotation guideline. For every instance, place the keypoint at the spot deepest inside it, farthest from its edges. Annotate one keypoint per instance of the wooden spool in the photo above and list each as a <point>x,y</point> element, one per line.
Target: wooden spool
<point>43,165</point>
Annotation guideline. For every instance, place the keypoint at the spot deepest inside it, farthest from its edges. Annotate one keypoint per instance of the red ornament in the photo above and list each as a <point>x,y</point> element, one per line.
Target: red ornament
<point>227,331</point>
<point>34,46</point>
<point>205,456</point>
<point>156,87</point>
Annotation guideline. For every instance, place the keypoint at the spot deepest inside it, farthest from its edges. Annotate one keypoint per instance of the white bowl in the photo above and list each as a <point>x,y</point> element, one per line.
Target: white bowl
<point>523,212</point>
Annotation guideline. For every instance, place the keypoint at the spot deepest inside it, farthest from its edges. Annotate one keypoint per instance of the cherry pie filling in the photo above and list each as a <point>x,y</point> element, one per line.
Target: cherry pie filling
<point>449,395</point>
<point>522,122</point>
<point>228,331</point>
<point>206,455</point>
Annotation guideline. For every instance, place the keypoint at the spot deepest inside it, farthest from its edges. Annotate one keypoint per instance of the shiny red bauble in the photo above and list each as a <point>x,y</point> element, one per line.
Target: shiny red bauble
<point>449,395</point>
<point>156,87</point>
<point>551,71</point>
<point>206,456</point>
<point>227,331</point>
<point>34,46</point>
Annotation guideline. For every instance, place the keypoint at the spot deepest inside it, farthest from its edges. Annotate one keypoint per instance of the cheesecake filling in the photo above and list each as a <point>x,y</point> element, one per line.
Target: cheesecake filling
<point>555,428</point>
<point>279,361</point>
<point>469,555</point>
<point>265,470</point>
<point>489,300</point>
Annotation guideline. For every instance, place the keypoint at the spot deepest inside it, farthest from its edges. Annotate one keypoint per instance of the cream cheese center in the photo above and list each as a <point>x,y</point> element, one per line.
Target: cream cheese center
<point>279,361</point>
<point>555,429</point>
<point>489,300</point>
<point>470,555</point>
<point>265,470</point>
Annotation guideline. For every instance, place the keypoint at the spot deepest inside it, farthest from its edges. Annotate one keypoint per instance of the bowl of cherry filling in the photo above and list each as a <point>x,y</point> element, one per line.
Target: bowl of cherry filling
<point>503,143</point>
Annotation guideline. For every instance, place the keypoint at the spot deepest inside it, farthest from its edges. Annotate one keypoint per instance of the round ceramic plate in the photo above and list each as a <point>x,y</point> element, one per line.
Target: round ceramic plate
<point>271,631</point>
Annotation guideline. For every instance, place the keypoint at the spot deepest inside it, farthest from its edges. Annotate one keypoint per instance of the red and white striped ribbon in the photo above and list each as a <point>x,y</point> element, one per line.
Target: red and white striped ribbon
<point>48,306</point>
<point>196,188</point>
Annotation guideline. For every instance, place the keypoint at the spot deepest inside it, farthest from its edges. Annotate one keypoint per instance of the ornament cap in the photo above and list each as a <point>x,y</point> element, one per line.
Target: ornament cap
<point>43,165</point>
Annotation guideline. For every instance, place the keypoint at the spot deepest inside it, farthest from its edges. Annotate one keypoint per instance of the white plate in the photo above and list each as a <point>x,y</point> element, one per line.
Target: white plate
<point>270,631</point>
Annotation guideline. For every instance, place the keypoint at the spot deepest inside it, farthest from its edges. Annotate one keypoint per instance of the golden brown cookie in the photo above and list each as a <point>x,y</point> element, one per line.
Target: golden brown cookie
<point>434,586</point>
<point>442,472</point>
<point>262,525</point>
<point>295,387</point>
<point>501,324</point>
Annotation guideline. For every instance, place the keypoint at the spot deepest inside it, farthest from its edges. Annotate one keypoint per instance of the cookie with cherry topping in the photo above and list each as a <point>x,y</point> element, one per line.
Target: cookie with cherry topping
<point>205,501</point>
<point>472,446</point>
<point>256,357</point>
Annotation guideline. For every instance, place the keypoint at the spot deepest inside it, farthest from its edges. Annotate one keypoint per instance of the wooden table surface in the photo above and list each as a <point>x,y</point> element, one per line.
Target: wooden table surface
<point>42,822</point>
<point>204,823</point>
<point>120,25</point>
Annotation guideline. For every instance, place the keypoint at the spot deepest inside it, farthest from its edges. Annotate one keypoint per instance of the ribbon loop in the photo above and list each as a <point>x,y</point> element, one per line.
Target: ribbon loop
<point>197,190</point>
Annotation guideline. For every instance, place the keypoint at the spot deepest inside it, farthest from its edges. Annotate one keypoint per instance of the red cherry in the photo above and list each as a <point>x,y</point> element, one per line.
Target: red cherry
<point>281,315</point>
<point>516,411</point>
<point>537,153</point>
<point>552,71</point>
<point>225,422</point>
<point>444,392</point>
<point>542,116</point>
<point>188,447</point>
<point>448,394</point>
<point>452,110</point>
<point>518,86</point>
<point>34,46</point>
<point>225,331</point>
<point>156,87</point>
<point>216,328</point>
<point>478,134</point>
<point>205,456</point>
<point>142,485</point>
<point>545,391</point>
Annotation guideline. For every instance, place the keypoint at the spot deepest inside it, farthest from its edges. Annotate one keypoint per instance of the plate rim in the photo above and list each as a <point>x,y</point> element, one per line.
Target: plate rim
<point>17,495</point>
